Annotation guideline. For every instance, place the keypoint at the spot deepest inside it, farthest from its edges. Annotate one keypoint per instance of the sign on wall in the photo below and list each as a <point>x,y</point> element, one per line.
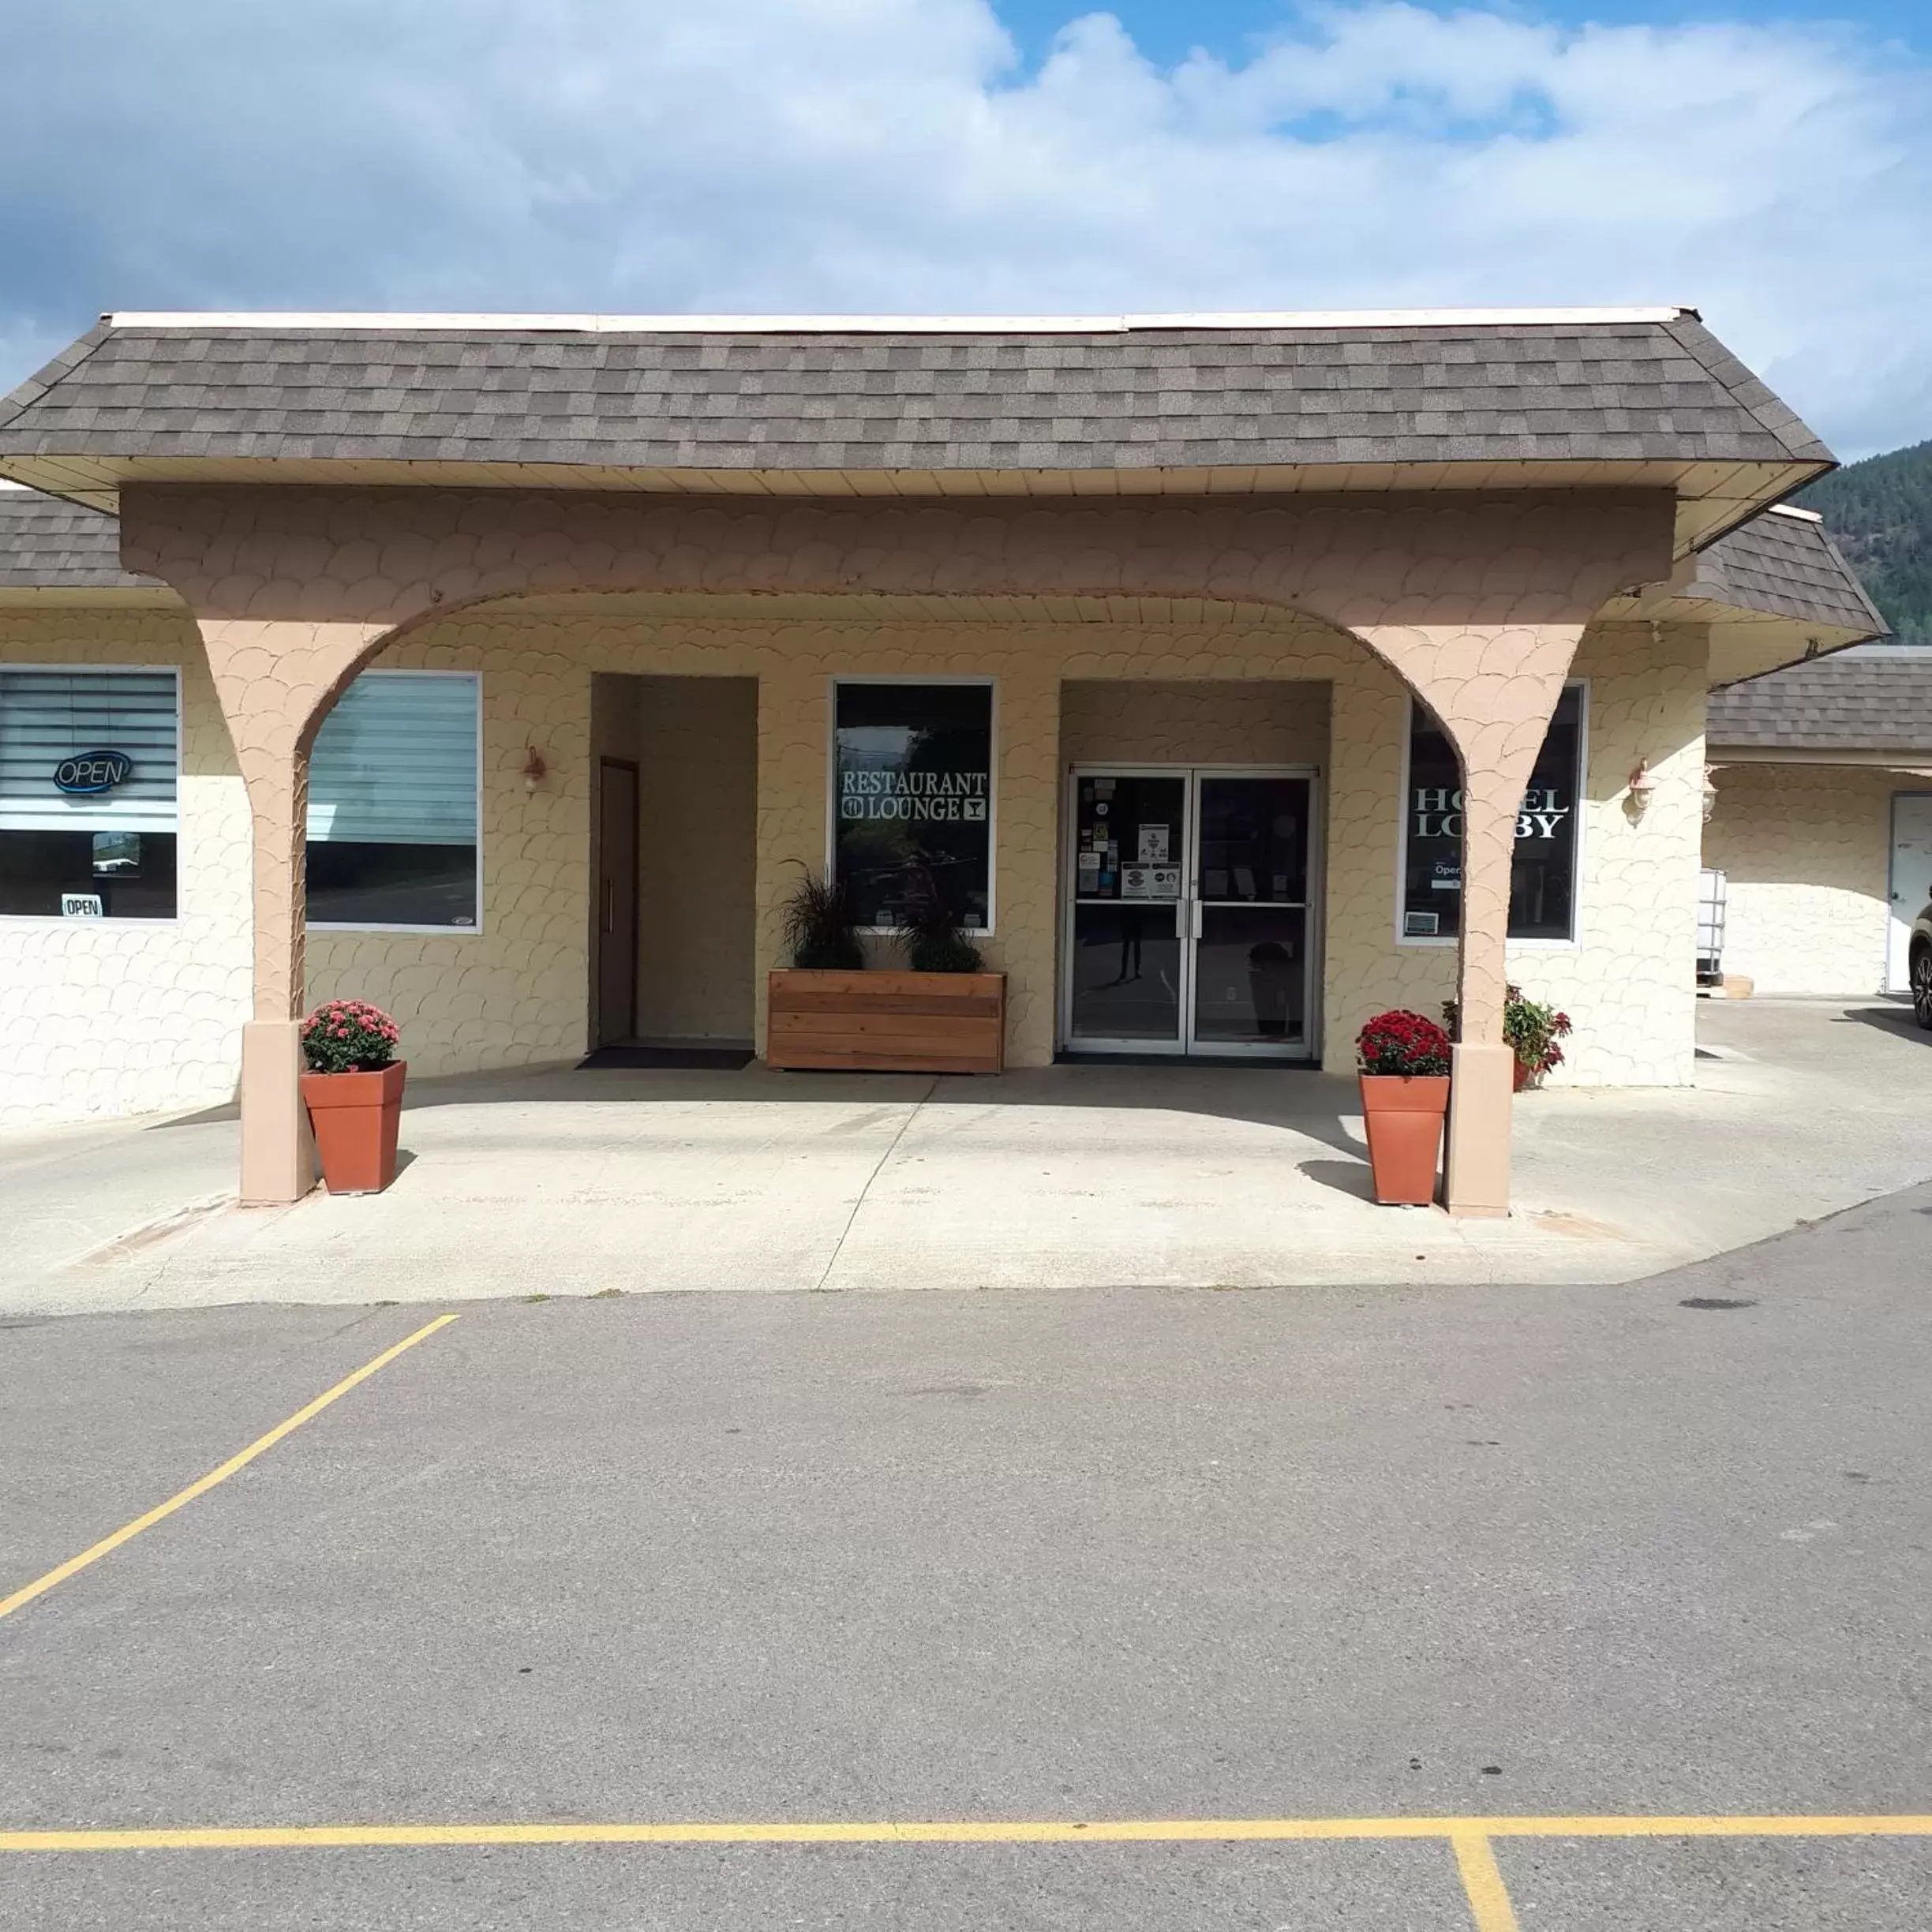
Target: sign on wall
<point>913,794</point>
<point>89,774</point>
<point>1543,875</point>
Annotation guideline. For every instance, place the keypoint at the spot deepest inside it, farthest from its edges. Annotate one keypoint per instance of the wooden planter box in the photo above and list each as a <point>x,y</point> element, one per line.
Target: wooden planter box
<point>888,1022</point>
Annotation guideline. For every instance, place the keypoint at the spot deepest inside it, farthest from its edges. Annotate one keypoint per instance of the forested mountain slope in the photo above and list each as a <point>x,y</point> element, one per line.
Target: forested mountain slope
<point>1879,513</point>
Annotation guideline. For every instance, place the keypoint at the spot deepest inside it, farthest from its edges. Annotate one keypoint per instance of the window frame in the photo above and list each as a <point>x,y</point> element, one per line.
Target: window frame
<point>173,670</point>
<point>441,932</point>
<point>1442,942</point>
<point>991,684</point>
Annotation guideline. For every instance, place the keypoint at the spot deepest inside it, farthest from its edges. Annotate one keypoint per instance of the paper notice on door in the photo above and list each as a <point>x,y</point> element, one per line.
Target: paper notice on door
<point>1153,845</point>
<point>1147,882</point>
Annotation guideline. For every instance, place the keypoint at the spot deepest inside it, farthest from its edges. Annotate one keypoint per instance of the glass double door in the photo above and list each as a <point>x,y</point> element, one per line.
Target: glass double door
<point>1188,912</point>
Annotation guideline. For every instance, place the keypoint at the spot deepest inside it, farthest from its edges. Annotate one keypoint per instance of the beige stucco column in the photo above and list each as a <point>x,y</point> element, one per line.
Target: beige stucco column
<point>1027,859</point>
<point>275,683</point>
<point>794,723</point>
<point>1493,687</point>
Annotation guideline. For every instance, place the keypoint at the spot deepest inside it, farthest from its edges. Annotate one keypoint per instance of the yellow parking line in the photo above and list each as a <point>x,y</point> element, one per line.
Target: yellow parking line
<point>1471,1834</point>
<point>40,1585</point>
<point>1488,1903</point>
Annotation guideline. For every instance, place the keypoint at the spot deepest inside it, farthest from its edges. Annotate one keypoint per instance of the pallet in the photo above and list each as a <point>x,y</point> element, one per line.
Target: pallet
<point>887,1022</point>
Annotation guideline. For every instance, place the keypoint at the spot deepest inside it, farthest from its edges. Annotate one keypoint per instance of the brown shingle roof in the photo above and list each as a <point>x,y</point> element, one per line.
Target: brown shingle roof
<point>48,544</point>
<point>1785,564</point>
<point>1873,697</point>
<point>1259,391</point>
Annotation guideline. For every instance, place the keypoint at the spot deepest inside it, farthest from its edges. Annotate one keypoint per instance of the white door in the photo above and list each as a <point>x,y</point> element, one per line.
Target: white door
<point>1911,878</point>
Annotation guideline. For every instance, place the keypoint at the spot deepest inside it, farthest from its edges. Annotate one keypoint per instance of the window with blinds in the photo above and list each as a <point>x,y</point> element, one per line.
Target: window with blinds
<point>51,720</point>
<point>392,804</point>
<point>89,761</point>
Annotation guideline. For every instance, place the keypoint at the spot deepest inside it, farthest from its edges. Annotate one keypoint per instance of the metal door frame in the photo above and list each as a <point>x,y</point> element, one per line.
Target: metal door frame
<point>1308,1048</point>
<point>1187,913</point>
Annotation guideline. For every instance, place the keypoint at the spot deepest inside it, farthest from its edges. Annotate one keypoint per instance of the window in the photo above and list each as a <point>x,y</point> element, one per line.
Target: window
<point>1543,878</point>
<point>912,786</point>
<point>392,804</point>
<point>89,763</point>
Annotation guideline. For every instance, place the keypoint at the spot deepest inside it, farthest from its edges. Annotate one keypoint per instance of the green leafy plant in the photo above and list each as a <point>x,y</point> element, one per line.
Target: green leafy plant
<point>929,930</point>
<point>820,929</point>
<point>1531,1029</point>
<point>1402,1042</point>
<point>349,1036</point>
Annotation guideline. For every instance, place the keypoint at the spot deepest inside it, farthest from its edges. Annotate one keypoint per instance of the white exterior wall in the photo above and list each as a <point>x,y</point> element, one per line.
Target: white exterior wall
<point>132,1016</point>
<point>1807,851</point>
<point>140,1017</point>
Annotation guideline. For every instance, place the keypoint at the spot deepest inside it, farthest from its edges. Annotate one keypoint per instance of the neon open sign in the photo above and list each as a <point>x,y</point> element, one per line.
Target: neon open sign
<point>89,773</point>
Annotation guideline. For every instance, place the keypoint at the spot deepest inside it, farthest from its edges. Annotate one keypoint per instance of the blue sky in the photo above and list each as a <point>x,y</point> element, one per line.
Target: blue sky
<point>1168,30</point>
<point>1768,161</point>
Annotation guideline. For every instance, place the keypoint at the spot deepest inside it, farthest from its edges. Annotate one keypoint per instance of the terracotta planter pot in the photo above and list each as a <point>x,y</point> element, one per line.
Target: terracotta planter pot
<point>354,1117</point>
<point>1524,1074</point>
<point>1404,1112</point>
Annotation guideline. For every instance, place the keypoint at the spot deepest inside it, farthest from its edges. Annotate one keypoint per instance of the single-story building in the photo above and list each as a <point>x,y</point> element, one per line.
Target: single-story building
<point>1821,822</point>
<point>1237,677</point>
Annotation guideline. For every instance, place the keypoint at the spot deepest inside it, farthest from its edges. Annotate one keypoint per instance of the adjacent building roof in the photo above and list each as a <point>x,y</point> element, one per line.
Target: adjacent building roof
<point>46,545</point>
<point>1785,564</point>
<point>1873,697</point>
<point>1257,402</point>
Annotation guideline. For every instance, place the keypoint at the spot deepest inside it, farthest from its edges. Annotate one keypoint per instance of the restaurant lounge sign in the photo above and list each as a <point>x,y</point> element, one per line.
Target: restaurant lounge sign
<point>913,797</point>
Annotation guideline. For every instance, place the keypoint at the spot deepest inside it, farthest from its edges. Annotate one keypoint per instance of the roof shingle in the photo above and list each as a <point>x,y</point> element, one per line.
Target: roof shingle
<point>1427,390</point>
<point>1785,565</point>
<point>48,544</point>
<point>1873,697</point>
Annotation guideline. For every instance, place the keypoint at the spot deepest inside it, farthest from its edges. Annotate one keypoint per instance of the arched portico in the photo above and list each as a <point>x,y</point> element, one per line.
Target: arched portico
<point>1477,604</point>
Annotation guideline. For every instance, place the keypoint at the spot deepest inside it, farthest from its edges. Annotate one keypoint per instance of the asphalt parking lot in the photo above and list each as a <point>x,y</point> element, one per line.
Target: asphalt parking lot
<point>1404,1608</point>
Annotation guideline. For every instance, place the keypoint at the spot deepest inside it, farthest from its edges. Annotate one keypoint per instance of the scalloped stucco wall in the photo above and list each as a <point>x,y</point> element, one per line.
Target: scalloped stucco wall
<point>133,1016</point>
<point>516,990</point>
<point>1628,982</point>
<point>1805,849</point>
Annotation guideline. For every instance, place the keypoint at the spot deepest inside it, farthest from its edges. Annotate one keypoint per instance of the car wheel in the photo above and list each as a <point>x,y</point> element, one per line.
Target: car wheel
<point>1922,985</point>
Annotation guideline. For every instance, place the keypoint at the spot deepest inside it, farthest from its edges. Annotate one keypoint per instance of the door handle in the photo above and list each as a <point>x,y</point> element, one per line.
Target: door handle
<point>610,906</point>
<point>1197,906</point>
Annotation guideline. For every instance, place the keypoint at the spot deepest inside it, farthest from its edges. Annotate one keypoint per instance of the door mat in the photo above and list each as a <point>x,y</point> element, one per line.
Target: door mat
<point>1253,1063</point>
<point>720,1059</point>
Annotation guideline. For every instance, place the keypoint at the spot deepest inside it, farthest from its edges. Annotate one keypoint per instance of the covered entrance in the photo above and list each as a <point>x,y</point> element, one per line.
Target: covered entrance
<point>1188,897</point>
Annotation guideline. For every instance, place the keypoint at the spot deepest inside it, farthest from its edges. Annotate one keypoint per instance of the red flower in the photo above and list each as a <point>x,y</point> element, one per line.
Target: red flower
<point>347,1036</point>
<point>1402,1042</point>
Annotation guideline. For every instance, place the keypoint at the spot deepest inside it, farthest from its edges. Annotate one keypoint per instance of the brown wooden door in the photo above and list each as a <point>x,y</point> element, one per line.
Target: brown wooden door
<point>616,901</point>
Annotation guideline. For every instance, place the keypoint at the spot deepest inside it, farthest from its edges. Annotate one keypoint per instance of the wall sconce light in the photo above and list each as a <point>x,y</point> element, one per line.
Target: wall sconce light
<point>1710,792</point>
<point>535,770</point>
<point>1642,785</point>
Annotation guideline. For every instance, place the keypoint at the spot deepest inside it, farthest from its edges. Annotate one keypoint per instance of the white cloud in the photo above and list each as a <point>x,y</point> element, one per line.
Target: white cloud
<point>856,155</point>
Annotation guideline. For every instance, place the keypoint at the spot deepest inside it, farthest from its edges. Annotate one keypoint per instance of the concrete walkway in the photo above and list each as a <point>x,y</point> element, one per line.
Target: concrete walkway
<point>559,1182</point>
